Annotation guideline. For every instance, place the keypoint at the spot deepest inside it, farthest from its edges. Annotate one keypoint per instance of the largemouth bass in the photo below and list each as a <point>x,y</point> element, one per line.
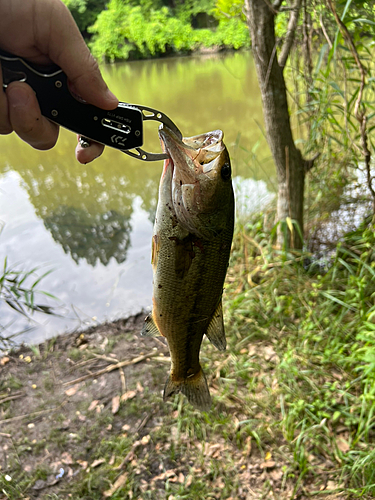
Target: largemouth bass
<point>190,252</point>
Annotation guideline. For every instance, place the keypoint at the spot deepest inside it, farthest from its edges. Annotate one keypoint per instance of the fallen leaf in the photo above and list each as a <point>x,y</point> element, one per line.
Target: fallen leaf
<point>93,404</point>
<point>39,484</point>
<point>268,465</point>
<point>214,450</point>
<point>97,462</point>
<point>139,387</point>
<point>343,445</point>
<point>120,481</point>
<point>115,404</point>
<point>276,474</point>
<point>247,447</point>
<point>65,424</point>
<point>332,485</point>
<point>146,439</point>
<point>128,395</point>
<point>268,456</point>
<point>4,360</point>
<point>66,458</point>
<point>72,390</point>
<point>168,474</point>
<point>83,464</point>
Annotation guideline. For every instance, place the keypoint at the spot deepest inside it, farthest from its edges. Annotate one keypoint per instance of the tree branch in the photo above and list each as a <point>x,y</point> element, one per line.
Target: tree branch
<point>289,37</point>
<point>325,31</point>
<point>308,164</point>
<point>277,4</point>
<point>271,7</point>
<point>359,114</point>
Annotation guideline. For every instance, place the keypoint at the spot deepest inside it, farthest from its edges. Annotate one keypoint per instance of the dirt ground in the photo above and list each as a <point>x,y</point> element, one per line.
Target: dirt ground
<point>82,416</point>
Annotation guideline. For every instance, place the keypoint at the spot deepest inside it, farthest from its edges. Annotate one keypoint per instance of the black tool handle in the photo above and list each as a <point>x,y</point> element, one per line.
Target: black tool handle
<point>120,128</point>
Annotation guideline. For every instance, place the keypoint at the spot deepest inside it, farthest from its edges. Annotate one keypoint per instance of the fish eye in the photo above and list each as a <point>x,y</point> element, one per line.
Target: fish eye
<point>226,172</point>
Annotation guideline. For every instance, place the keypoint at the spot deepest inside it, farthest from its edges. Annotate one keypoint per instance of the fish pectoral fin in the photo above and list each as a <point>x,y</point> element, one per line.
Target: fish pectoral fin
<point>194,388</point>
<point>149,328</point>
<point>215,331</point>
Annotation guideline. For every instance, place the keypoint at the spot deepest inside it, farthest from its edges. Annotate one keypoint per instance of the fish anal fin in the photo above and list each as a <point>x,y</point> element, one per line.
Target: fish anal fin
<point>215,331</point>
<point>149,328</point>
<point>195,388</point>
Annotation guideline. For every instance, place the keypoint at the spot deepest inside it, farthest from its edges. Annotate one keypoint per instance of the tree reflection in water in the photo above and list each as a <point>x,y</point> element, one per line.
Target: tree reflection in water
<point>93,237</point>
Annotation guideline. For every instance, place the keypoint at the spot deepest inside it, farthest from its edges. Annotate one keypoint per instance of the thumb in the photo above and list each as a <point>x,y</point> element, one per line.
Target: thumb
<point>68,49</point>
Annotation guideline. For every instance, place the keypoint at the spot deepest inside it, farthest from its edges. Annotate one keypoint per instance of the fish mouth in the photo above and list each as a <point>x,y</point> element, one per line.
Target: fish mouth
<point>211,140</point>
<point>190,154</point>
<point>170,142</point>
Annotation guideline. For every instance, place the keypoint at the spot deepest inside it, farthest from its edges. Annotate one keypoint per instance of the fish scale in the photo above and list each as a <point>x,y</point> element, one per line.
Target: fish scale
<point>189,265</point>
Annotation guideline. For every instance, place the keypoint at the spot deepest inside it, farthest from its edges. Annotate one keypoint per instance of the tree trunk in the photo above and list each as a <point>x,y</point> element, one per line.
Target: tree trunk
<point>290,165</point>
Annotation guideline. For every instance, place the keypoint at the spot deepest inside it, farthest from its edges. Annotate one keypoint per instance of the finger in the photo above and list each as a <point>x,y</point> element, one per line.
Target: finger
<point>67,48</point>
<point>5,126</point>
<point>85,155</point>
<point>26,118</point>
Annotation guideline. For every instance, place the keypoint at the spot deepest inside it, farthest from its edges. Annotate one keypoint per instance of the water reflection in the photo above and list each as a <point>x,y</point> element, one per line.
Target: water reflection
<point>93,223</point>
<point>90,237</point>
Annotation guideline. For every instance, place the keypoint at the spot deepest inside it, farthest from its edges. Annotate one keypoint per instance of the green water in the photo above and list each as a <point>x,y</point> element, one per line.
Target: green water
<point>92,224</point>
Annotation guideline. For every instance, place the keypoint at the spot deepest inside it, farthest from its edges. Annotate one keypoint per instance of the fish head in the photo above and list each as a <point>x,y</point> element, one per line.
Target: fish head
<point>201,187</point>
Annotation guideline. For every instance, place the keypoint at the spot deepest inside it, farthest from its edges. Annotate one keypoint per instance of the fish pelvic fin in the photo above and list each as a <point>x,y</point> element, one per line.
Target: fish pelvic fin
<point>194,388</point>
<point>215,331</point>
<point>149,328</point>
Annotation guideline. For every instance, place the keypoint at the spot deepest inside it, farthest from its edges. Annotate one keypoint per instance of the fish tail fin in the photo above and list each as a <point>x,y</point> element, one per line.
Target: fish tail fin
<point>194,388</point>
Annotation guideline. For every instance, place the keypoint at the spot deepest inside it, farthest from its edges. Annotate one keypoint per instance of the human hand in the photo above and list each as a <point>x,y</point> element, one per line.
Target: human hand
<point>43,31</point>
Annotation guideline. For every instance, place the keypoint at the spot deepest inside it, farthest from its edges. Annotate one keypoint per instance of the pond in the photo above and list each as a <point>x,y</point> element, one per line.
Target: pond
<point>91,225</point>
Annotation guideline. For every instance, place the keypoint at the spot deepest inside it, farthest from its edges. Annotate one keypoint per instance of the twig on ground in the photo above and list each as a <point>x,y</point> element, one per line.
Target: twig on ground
<point>123,381</point>
<point>28,415</point>
<point>10,398</point>
<point>106,358</point>
<point>112,367</point>
<point>144,422</point>
<point>163,359</point>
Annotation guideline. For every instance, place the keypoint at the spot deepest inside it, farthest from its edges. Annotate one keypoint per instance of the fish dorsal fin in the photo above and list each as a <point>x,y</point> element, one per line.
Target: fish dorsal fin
<point>215,331</point>
<point>149,328</point>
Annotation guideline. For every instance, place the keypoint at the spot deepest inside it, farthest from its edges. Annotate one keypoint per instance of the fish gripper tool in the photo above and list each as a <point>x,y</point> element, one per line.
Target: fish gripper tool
<point>120,128</point>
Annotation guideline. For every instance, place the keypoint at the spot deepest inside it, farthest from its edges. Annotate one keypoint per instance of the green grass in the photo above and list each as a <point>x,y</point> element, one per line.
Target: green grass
<point>296,387</point>
<point>297,383</point>
<point>322,328</point>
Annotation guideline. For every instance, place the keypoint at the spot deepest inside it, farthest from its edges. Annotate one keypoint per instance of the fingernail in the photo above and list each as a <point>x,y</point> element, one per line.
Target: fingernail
<point>17,96</point>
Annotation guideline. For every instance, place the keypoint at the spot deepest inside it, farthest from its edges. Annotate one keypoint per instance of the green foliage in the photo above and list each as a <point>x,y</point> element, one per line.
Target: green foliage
<point>123,30</point>
<point>85,12</point>
<point>226,9</point>
<point>19,294</point>
<point>187,10</point>
<point>320,318</point>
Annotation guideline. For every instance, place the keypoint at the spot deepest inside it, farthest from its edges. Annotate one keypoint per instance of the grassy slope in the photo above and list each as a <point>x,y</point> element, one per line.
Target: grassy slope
<point>293,396</point>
